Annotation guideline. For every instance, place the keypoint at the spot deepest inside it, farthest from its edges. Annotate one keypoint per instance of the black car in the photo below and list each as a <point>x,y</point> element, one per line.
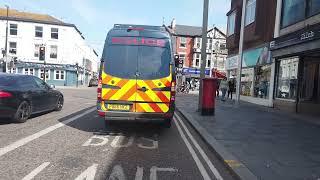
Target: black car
<point>24,95</point>
<point>93,82</point>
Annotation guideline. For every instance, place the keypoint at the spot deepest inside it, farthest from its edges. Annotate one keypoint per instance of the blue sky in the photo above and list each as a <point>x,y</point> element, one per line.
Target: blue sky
<point>95,17</point>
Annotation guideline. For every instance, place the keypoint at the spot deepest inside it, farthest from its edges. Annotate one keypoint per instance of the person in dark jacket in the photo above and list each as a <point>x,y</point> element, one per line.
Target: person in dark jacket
<point>231,88</point>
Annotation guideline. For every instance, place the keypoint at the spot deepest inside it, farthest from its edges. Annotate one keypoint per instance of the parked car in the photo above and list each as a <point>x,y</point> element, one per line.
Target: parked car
<point>24,95</point>
<point>93,82</point>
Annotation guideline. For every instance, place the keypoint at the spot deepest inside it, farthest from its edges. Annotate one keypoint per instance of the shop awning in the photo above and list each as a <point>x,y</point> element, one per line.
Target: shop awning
<point>218,74</point>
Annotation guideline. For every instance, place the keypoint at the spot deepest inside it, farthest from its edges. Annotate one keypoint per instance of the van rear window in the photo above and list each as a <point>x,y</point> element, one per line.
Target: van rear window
<point>137,61</point>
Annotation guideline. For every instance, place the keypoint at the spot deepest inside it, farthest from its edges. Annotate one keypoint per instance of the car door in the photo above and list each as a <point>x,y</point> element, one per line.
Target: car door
<point>30,91</point>
<point>153,80</point>
<point>46,95</point>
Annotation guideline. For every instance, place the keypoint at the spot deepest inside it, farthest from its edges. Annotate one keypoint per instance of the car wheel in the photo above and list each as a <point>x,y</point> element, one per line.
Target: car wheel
<point>59,104</point>
<point>167,123</point>
<point>23,112</point>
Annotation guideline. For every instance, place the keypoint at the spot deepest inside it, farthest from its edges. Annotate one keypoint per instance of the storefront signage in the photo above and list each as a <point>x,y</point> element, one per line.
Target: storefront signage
<point>308,34</point>
<point>194,71</point>
<point>259,56</point>
<point>232,62</point>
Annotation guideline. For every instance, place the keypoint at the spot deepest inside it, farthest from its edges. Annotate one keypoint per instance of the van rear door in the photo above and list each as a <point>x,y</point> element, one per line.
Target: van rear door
<point>153,80</point>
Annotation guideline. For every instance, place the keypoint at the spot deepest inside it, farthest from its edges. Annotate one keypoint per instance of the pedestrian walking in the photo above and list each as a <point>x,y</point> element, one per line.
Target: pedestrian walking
<point>231,88</point>
<point>218,88</point>
<point>224,88</point>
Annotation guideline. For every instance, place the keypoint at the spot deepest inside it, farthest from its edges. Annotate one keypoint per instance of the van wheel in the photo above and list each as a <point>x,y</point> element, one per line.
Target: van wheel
<point>167,123</point>
<point>23,112</point>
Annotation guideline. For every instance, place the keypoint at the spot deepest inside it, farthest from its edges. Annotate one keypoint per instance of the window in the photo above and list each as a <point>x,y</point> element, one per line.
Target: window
<point>59,75</point>
<point>287,78</point>
<point>36,50</point>
<point>314,7</point>
<point>208,65</point>
<point>47,74</point>
<point>209,43</point>
<point>53,52</point>
<point>231,23</point>
<point>13,29</point>
<point>13,47</point>
<point>29,71</point>
<point>38,31</point>
<point>197,57</point>
<point>183,42</point>
<point>198,42</point>
<point>222,46</point>
<point>182,57</point>
<point>293,11</point>
<point>40,83</point>
<point>250,12</point>
<point>54,33</point>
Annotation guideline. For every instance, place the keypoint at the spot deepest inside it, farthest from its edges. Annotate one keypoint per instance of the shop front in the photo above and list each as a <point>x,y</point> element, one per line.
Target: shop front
<point>256,78</point>
<point>297,56</point>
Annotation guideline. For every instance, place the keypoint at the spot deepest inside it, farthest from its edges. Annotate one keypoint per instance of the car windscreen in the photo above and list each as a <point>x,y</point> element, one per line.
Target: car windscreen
<point>138,60</point>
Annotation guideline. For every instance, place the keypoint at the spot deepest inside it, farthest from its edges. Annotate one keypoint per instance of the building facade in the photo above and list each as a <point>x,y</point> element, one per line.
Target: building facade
<point>296,51</point>
<point>188,43</point>
<point>257,67</point>
<point>68,59</point>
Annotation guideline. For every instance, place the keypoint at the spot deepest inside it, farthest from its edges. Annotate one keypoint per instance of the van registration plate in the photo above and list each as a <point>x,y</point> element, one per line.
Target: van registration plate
<point>118,107</point>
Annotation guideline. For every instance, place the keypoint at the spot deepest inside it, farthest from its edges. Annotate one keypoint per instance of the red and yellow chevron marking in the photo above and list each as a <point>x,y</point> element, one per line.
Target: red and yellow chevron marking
<point>126,90</point>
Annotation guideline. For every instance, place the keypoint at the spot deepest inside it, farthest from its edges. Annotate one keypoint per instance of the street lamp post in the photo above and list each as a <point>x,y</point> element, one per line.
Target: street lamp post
<point>203,50</point>
<point>5,55</point>
<point>244,4</point>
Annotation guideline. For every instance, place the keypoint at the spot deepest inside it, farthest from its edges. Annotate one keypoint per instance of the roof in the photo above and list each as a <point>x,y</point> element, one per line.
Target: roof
<point>184,30</point>
<point>27,16</point>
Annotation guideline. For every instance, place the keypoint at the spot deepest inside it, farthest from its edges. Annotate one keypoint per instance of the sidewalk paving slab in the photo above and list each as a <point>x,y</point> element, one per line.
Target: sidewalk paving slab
<point>256,142</point>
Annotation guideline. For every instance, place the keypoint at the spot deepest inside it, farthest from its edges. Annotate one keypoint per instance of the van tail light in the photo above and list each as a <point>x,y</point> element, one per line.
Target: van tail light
<point>4,94</point>
<point>99,89</point>
<point>173,91</point>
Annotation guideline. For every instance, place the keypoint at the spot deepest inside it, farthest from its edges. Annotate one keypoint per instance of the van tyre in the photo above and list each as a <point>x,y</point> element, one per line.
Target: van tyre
<point>23,112</point>
<point>167,123</point>
<point>59,104</point>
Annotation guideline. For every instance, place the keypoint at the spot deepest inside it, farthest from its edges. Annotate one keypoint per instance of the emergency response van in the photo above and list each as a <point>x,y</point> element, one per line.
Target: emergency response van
<point>137,75</point>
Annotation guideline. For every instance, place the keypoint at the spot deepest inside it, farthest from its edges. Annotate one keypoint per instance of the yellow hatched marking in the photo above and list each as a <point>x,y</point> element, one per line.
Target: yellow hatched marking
<point>146,107</point>
<point>152,95</point>
<point>167,94</point>
<point>115,79</point>
<point>104,91</point>
<point>157,81</point>
<point>123,90</point>
<point>163,107</point>
<point>103,107</point>
<point>139,98</point>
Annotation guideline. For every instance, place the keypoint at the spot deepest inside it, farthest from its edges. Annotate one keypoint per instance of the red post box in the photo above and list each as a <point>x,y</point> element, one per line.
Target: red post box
<point>209,96</point>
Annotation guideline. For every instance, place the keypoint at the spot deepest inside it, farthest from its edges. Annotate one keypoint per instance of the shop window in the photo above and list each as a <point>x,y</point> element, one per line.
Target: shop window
<point>262,81</point>
<point>42,74</point>
<point>59,75</point>
<point>246,82</point>
<point>287,78</point>
<point>311,82</point>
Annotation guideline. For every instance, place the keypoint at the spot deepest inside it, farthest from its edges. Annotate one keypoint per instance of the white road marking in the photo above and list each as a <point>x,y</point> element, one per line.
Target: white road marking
<point>155,144</point>
<point>154,170</point>
<point>36,171</point>
<point>37,135</point>
<point>115,143</point>
<point>203,154</point>
<point>89,173</point>
<point>200,166</point>
<point>103,141</point>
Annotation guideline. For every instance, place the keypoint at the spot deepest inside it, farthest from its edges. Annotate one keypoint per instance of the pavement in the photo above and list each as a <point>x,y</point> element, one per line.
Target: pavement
<point>75,144</point>
<point>256,142</point>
